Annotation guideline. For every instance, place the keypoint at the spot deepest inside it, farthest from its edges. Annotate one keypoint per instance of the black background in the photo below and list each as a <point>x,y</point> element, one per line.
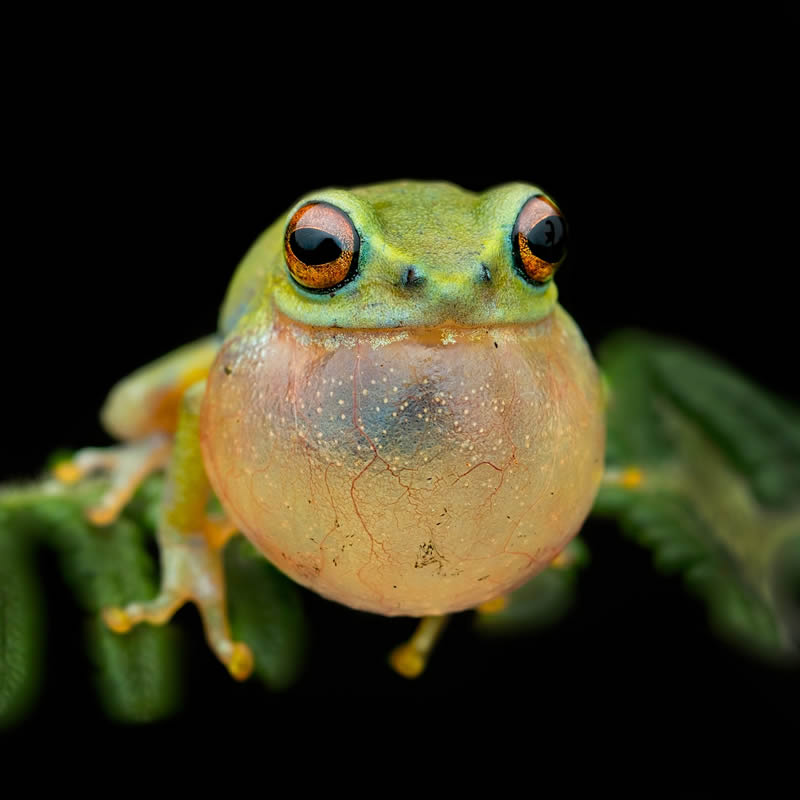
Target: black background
<point>149,163</point>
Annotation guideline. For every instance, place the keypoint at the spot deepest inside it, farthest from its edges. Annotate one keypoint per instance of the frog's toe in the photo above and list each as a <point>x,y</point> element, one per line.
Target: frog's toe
<point>156,612</point>
<point>238,658</point>
<point>191,572</point>
<point>127,466</point>
<point>411,658</point>
<point>631,477</point>
<point>117,619</point>
<point>407,661</point>
<point>493,606</point>
<point>67,472</point>
<point>563,560</point>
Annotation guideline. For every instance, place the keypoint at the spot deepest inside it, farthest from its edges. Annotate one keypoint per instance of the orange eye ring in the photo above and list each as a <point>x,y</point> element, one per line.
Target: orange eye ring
<point>539,240</point>
<point>321,247</point>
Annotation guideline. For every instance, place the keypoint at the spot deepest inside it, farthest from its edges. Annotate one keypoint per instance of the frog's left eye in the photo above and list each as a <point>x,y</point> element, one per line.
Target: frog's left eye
<point>539,240</point>
<point>321,246</point>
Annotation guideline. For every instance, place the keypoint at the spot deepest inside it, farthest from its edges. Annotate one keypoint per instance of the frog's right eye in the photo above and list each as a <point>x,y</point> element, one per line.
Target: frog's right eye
<point>539,240</point>
<point>321,247</point>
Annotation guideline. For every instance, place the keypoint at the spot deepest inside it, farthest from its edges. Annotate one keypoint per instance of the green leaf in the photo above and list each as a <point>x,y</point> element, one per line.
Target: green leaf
<point>21,634</point>
<point>720,499</point>
<point>137,671</point>
<point>266,611</point>
<point>542,601</point>
<point>136,674</point>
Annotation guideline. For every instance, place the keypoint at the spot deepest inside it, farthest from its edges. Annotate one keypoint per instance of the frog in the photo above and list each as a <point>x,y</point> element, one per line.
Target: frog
<point>395,411</point>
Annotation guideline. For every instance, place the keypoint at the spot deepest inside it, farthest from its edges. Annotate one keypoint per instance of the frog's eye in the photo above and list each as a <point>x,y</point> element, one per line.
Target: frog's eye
<point>539,240</point>
<point>321,246</point>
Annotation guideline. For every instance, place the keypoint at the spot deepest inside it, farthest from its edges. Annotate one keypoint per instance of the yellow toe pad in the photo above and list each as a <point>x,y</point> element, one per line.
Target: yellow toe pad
<point>117,619</point>
<point>67,472</point>
<point>241,664</point>
<point>494,605</point>
<point>407,661</point>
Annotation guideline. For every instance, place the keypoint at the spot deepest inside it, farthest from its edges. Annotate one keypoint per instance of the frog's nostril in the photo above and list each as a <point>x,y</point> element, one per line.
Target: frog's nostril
<point>412,277</point>
<point>485,274</point>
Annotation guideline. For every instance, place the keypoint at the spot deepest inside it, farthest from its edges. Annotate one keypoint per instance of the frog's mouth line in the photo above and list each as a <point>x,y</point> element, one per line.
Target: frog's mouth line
<point>382,306</point>
<point>446,333</point>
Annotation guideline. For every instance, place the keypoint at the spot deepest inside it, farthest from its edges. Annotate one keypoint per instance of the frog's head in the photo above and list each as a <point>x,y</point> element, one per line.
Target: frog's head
<point>405,254</point>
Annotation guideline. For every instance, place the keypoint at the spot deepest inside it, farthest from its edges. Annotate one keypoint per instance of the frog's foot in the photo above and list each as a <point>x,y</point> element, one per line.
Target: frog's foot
<point>627,478</point>
<point>411,658</point>
<point>127,464</point>
<point>495,605</point>
<point>192,571</point>
<point>563,560</point>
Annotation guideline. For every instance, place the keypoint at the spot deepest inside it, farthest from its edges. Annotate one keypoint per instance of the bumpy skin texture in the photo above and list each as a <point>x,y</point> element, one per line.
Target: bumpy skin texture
<point>406,446</point>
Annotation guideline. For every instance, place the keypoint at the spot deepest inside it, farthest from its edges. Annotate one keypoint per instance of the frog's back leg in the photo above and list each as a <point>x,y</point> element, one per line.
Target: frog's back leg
<point>149,400</point>
<point>411,658</point>
<point>142,410</point>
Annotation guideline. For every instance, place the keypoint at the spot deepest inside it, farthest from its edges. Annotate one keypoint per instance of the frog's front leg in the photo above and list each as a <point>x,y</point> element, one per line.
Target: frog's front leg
<point>142,410</point>
<point>191,545</point>
<point>127,466</point>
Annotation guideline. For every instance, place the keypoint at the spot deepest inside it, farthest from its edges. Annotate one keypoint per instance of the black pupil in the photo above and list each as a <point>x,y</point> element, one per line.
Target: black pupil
<point>313,246</point>
<point>547,239</point>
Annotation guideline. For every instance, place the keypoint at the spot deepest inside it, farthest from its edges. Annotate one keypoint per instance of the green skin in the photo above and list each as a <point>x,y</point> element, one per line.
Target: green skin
<point>446,233</point>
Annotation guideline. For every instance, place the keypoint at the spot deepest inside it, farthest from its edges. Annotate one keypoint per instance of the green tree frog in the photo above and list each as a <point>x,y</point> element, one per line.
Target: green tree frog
<point>395,411</point>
